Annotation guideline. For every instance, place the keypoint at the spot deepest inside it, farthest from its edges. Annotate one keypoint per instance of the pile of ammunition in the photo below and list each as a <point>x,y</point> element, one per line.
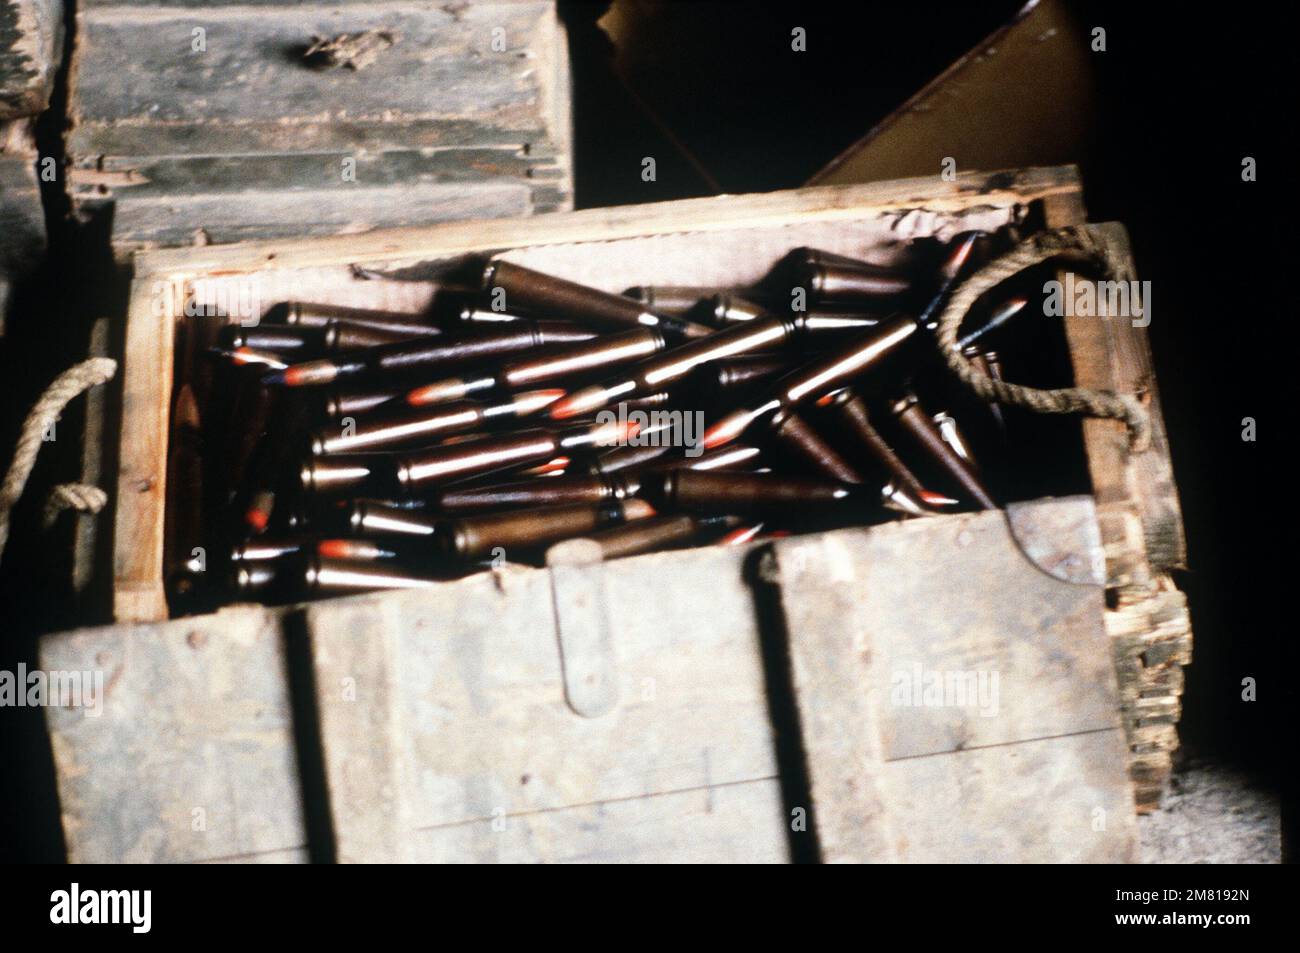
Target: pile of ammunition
<point>365,450</point>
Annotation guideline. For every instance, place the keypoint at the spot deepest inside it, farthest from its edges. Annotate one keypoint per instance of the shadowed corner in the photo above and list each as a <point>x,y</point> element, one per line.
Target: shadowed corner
<point>791,759</point>
<point>322,846</point>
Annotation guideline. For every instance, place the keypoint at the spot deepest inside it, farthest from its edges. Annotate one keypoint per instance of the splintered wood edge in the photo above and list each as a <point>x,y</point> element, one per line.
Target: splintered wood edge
<point>825,203</point>
<point>1142,534</point>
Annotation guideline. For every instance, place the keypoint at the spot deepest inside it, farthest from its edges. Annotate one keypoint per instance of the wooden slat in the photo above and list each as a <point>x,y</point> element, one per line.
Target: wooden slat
<point>139,517</point>
<point>193,757</point>
<point>460,691</point>
<point>1114,354</point>
<point>465,115</point>
<point>1006,770</point>
<point>246,93</point>
<point>904,200</point>
<point>174,219</point>
<point>1141,527</point>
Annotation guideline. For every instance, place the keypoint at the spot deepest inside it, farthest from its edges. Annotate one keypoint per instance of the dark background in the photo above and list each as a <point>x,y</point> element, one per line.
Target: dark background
<point>1184,94</point>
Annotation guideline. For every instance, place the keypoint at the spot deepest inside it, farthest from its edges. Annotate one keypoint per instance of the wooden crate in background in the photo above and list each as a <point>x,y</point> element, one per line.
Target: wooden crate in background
<point>31,39</point>
<point>203,120</point>
<point>448,723</point>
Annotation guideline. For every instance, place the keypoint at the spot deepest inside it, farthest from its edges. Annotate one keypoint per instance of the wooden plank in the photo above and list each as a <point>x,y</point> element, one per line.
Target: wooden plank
<point>703,825</point>
<point>172,219</point>
<point>1142,531</point>
<point>913,206</point>
<point>249,88</point>
<point>1041,801</point>
<point>192,756</point>
<point>923,689</point>
<point>353,650</point>
<point>485,743</point>
<point>31,48</point>
<point>141,489</point>
<point>1114,354</point>
<point>230,131</point>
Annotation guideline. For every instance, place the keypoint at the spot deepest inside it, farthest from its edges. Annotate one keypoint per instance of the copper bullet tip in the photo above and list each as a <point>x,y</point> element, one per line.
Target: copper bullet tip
<point>534,400</point>
<point>553,467</point>
<point>334,548</point>
<point>957,260</point>
<point>435,393</point>
<point>930,498</point>
<point>578,403</point>
<point>726,430</point>
<point>637,510</point>
<point>308,372</point>
<point>738,537</point>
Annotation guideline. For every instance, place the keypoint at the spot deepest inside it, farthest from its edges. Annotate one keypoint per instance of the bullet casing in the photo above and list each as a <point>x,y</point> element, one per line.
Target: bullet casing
<point>326,576</point>
<point>794,434</point>
<point>605,351</point>
<point>477,536</point>
<point>670,299</point>
<point>475,344</point>
<point>739,492</point>
<point>927,435</point>
<point>551,366</point>
<point>370,517</point>
<point>305,314</point>
<point>564,490</point>
<point>657,532</point>
<point>482,455</point>
<point>850,410</point>
<point>543,294</point>
<point>346,403</point>
<point>818,377</point>
<point>835,279</point>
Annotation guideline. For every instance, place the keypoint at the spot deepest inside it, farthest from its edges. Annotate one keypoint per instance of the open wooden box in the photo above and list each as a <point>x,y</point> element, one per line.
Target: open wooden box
<point>500,717</point>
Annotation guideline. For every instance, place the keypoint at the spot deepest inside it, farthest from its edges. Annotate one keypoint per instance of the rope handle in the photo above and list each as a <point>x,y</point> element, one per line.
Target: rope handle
<point>1076,244</point>
<point>46,410</point>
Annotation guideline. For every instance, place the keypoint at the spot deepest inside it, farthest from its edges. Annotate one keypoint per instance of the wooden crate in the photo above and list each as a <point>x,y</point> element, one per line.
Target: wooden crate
<point>445,717</point>
<point>201,116</point>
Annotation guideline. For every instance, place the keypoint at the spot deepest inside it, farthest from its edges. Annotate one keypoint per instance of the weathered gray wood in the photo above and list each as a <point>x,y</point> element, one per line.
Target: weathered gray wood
<point>207,116</point>
<point>447,736</point>
<point>357,684</point>
<point>1141,526</point>
<point>492,761</point>
<point>702,825</point>
<point>174,220</point>
<point>882,623</point>
<point>31,48</point>
<point>22,219</point>
<point>192,758</point>
<point>246,92</point>
<point>1041,801</point>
